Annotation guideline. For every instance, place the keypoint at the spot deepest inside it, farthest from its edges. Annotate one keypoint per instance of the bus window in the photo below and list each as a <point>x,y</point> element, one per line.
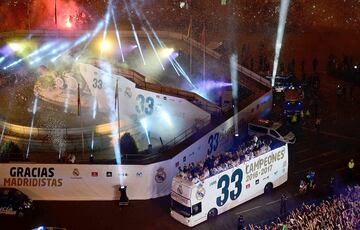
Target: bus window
<point>258,129</point>
<point>196,209</point>
<point>181,209</point>
<point>275,134</point>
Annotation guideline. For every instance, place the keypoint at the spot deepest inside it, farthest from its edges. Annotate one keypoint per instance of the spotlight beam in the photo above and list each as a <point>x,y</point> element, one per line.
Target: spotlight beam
<point>2,59</point>
<point>177,67</point>
<point>279,38</point>
<point>54,51</point>
<point>175,64</point>
<point>32,125</point>
<point>94,33</point>
<point>138,43</point>
<point>143,18</point>
<point>2,133</point>
<point>234,83</point>
<point>36,52</point>
<point>134,31</point>
<point>94,107</point>
<point>81,40</point>
<point>107,19</point>
<point>153,47</point>
<point>85,46</point>
<point>118,35</point>
<point>143,123</point>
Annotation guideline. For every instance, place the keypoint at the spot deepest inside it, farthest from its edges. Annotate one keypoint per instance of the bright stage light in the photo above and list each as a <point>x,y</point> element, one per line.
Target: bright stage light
<point>68,23</point>
<point>22,48</point>
<point>103,43</point>
<point>16,47</point>
<point>279,38</point>
<point>105,46</point>
<point>166,52</point>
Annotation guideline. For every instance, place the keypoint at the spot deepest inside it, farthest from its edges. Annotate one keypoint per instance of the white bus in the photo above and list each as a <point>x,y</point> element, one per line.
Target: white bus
<point>192,203</point>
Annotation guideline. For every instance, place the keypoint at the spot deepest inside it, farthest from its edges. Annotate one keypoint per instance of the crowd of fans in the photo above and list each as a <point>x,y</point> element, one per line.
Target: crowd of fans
<point>341,212</point>
<point>345,67</point>
<point>221,162</point>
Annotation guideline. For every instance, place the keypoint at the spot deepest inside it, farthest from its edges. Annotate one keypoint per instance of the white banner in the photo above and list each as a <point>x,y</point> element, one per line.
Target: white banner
<point>86,182</point>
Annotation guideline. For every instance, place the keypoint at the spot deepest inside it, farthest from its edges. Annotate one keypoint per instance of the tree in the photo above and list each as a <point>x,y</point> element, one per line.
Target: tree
<point>128,144</point>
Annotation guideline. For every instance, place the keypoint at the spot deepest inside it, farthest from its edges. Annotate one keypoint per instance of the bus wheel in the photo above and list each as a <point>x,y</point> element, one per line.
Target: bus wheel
<point>212,213</point>
<point>268,187</point>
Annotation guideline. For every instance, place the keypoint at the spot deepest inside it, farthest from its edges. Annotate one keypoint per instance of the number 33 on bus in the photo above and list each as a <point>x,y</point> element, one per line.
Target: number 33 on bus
<point>193,203</point>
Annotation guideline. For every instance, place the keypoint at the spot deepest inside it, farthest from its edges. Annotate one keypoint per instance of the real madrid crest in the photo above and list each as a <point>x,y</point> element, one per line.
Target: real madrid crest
<point>200,193</point>
<point>160,175</point>
<point>76,172</point>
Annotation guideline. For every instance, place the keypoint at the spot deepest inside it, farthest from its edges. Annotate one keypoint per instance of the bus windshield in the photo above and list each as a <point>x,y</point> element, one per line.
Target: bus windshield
<point>181,209</point>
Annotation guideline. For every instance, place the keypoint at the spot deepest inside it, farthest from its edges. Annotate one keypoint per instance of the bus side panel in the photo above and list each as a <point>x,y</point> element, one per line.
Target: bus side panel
<point>268,168</point>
